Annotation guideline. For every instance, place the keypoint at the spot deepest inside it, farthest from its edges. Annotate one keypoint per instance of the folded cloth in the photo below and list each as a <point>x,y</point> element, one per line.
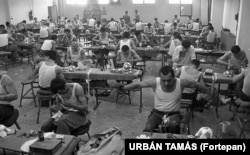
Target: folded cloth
<point>26,146</point>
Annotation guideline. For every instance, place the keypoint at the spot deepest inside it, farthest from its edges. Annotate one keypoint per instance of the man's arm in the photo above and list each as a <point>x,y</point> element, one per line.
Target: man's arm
<point>144,84</point>
<point>176,54</point>
<point>96,38</point>
<point>136,57</point>
<point>239,77</point>
<point>222,60</point>
<point>10,87</point>
<point>193,84</point>
<point>193,56</point>
<point>83,107</point>
<point>59,72</point>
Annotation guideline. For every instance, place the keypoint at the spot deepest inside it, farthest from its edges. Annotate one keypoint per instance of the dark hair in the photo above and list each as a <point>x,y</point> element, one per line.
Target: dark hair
<point>211,28</point>
<point>67,30</point>
<point>195,62</point>
<point>186,43</point>
<point>24,21</point>
<point>53,37</point>
<point>165,70</point>
<point>178,36</point>
<point>51,54</point>
<point>57,84</point>
<point>7,23</point>
<point>126,34</point>
<point>2,26</point>
<point>174,24</point>
<point>125,48</point>
<point>235,49</point>
<point>103,29</point>
<point>137,33</point>
<point>149,24</point>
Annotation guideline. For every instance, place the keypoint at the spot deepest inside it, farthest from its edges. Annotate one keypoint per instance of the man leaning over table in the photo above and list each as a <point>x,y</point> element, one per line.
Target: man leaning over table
<point>72,105</point>
<point>167,95</point>
<point>8,93</point>
<point>234,60</point>
<point>183,54</point>
<point>127,55</point>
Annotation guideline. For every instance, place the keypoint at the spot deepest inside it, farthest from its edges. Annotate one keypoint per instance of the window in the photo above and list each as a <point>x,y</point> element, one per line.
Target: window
<point>174,1</point>
<point>149,1</point>
<point>137,1</point>
<point>76,1</point>
<point>143,1</point>
<point>103,1</point>
<point>180,1</point>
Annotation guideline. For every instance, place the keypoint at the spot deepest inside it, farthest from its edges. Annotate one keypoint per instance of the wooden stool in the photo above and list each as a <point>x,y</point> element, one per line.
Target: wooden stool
<point>43,96</point>
<point>12,120</point>
<point>24,95</point>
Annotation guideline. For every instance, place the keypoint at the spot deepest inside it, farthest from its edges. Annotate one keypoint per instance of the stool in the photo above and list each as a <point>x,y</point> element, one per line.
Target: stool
<point>83,129</point>
<point>4,57</point>
<point>242,119</point>
<point>12,120</point>
<point>24,95</point>
<point>43,95</point>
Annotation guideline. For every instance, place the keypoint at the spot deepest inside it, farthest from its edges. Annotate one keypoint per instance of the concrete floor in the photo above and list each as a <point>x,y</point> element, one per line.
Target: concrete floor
<point>122,115</point>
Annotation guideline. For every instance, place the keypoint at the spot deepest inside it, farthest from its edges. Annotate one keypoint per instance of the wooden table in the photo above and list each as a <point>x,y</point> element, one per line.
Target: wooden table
<point>209,53</point>
<point>14,143</point>
<point>152,52</point>
<point>98,74</point>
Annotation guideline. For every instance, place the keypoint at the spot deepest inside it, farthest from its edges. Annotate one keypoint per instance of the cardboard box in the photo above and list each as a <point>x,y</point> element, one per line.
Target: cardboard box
<point>46,147</point>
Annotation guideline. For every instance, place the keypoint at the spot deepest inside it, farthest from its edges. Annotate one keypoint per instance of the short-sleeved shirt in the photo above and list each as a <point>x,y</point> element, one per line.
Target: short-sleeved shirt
<point>189,55</point>
<point>233,61</point>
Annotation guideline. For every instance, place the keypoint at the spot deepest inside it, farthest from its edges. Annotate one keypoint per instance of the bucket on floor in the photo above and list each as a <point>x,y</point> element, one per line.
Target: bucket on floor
<point>224,126</point>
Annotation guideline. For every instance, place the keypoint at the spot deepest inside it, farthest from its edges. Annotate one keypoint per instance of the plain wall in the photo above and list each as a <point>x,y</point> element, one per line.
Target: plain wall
<point>243,36</point>
<point>4,11</point>
<point>19,9</point>
<point>231,7</point>
<point>161,9</point>
<point>217,15</point>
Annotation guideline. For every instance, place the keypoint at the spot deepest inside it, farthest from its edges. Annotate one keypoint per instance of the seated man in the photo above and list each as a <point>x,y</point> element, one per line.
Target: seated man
<point>8,93</point>
<point>68,38</point>
<point>190,72</point>
<point>103,37</point>
<point>140,39</point>
<point>234,60</point>
<point>126,41</point>
<point>75,54</point>
<point>211,38</point>
<point>127,55</point>
<point>5,46</point>
<point>167,96</point>
<point>183,54</point>
<point>48,45</point>
<point>72,105</point>
<point>48,70</point>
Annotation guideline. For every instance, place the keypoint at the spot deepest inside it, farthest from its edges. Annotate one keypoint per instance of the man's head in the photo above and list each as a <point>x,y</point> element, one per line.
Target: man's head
<point>211,28</point>
<point>58,85</point>
<point>51,55</point>
<point>74,45</point>
<point>149,24</point>
<point>136,11</point>
<point>235,49</point>
<point>137,33</point>
<point>167,76</point>
<point>67,31</point>
<point>125,49</point>
<point>7,24</point>
<point>126,34</point>
<point>53,37</point>
<point>103,29</point>
<point>195,63</point>
<point>126,12</point>
<point>186,44</point>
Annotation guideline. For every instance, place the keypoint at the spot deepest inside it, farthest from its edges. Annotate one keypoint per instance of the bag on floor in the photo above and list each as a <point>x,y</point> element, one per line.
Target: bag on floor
<point>109,142</point>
